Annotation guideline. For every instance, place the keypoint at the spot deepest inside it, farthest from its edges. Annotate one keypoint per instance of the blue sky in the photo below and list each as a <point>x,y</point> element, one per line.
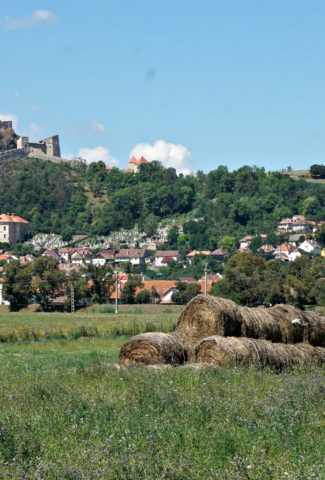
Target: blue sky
<point>193,83</point>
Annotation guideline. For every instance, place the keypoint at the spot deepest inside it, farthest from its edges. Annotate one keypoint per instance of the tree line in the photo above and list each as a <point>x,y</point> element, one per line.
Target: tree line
<point>216,208</point>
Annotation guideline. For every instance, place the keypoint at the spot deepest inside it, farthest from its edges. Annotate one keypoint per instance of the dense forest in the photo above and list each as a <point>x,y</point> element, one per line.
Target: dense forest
<point>216,208</point>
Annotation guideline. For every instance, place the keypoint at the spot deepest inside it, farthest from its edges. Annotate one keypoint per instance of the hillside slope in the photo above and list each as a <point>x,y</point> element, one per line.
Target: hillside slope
<point>75,198</point>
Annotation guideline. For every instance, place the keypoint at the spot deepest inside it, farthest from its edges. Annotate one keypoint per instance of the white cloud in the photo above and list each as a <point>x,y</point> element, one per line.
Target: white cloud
<point>169,154</point>
<point>97,127</point>
<point>36,18</point>
<point>12,117</point>
<point>97,153</point>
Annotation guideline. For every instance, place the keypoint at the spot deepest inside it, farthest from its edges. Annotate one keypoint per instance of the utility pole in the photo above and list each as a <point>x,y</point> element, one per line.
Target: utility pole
<point>205,278</point>
<point>116,290</point>
<point>72,296</point>
<point>73,305</point>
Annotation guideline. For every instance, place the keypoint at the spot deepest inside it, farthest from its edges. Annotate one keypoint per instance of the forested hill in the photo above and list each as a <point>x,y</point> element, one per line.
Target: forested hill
<point>80,199</point>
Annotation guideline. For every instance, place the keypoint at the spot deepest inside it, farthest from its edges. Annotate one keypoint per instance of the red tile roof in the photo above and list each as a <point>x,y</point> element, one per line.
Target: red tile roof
<point>168,259</point>
<point>267,248</point>
<point>6,218</point>
<point>166,253</point>
<point>138,161</point>
<point>131,253</point>
<point>194,253</point>
<point>220,252</point>
<point>161,286</point>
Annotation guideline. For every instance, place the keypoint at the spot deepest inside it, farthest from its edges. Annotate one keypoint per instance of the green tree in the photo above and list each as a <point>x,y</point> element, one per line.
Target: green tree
<point>147,296</point>
<point>242,280</point>
<point>150,224</point>
<point>227,242</point>
<point>318,292</point>
<point>320,235</point>
<point>17,285</point>
<point>185,292</point>
<point>47,280</point>
<point>317,171</point>
<point>128,293</point>
<point>172,235</point>
<point>100,280</point>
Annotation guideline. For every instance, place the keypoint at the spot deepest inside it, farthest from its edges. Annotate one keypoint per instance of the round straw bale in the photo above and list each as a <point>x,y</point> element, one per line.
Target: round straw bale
<point>273,324</point>
<point>206,315</point>
<point>224,351</point>
<point>153,349</point>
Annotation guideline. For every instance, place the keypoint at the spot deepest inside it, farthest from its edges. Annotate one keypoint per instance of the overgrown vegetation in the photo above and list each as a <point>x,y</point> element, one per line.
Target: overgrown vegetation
<point>66,413</point>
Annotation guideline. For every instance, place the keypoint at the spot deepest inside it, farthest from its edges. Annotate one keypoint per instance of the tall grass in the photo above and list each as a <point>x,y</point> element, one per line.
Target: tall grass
<point>129,328</point>
<point>34,327</point>
<point>97,422</point>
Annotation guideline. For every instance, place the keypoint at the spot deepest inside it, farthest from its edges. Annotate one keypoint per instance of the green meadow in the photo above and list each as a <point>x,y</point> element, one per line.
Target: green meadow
<point>67,411</point>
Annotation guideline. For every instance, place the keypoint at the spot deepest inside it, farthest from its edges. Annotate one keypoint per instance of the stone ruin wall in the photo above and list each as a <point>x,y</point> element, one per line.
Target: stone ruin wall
<point>47,149</point>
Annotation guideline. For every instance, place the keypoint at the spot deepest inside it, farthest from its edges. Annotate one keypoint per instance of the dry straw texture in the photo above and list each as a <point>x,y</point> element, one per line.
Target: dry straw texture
<point>224,351</point>
<point>206,315</point>
<point>153,349</point>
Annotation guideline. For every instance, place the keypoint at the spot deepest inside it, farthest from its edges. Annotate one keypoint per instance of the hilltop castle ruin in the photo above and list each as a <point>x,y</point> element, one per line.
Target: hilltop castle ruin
<point>15,146</point>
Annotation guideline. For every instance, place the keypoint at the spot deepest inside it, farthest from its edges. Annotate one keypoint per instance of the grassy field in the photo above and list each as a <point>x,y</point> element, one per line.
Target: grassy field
<point>304,175</point>
<point>67,412</point>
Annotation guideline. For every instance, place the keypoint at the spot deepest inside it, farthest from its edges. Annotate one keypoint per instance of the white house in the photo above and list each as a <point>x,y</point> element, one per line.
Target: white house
<point>12,228</point>
<point>310,246</point>
<point>294,255</point>
<point>297,223</point>
<point>165,257</point>
<point>105,257</point>
<point>135,256</point>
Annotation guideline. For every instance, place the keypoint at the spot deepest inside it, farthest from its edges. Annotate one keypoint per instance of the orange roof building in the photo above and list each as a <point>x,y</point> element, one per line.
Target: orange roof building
<point>12,228</point>
<point>134,164</point>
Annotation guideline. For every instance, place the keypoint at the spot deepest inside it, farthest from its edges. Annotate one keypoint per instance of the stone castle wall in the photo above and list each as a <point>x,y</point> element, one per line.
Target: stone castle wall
<point>5,124</point>
<point>13,155</point>
<point>47,149</point>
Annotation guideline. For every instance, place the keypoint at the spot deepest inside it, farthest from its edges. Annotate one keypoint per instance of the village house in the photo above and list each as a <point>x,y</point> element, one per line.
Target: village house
<point>220,255</point>
<point>23,259</point>
<point>105,257</point>
<point>51,254</point>
<point>267,249</point>
<point>81,258</point>
<point>163,288</point>
<point>134,256</point>
<point>7,257</point>
<point>310,246</point>
<point>196,253</point>
<point>163,258</point>
<point>294,255</point>
<point>297,223</point>
<point>12,228</point>
<point>245,242</point>
<point>134,164</point>
<point>84,254</point>
<point>284,252</point>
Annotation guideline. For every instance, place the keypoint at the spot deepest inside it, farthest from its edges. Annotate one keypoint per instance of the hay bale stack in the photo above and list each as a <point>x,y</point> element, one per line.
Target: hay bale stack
<point>205,315</point>
<point>283,323</point>
<point>154,349</point>
<point>230,350</point>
